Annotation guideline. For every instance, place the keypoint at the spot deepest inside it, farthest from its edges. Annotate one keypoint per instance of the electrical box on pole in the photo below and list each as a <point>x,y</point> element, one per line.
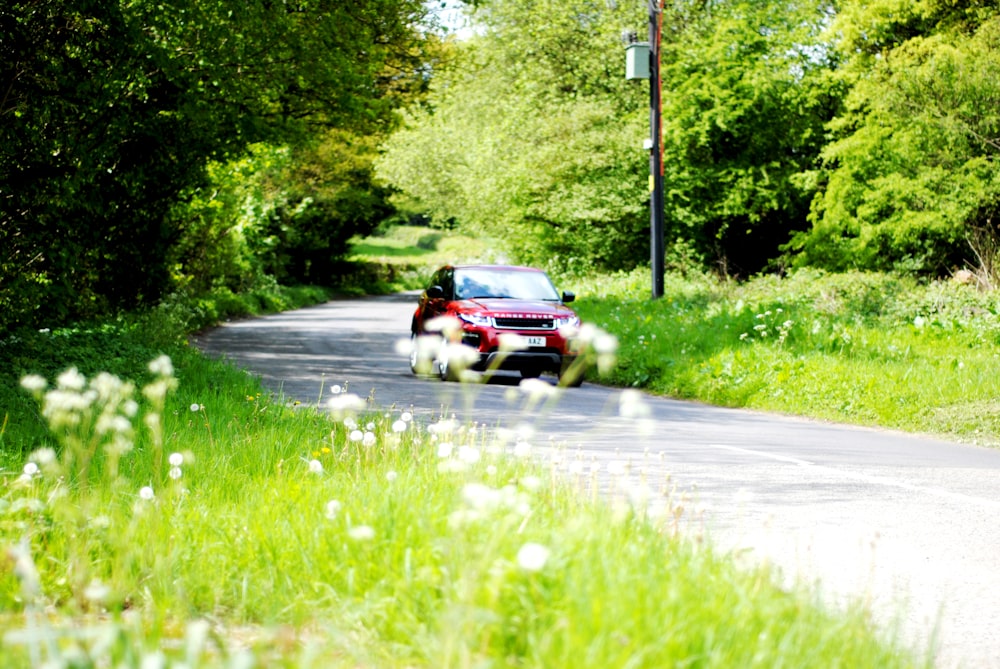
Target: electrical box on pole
<point>637,60</point>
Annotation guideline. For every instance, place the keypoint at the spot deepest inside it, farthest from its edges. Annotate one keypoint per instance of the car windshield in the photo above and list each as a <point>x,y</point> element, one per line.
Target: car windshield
<point>471,283</point>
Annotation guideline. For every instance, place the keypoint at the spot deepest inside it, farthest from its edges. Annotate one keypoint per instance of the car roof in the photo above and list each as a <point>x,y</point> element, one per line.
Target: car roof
<point>514,268</point>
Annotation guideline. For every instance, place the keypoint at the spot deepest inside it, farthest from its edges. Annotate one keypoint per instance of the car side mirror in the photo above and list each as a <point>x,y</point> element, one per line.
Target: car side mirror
<point>435,292</point>
<point>568,296</point>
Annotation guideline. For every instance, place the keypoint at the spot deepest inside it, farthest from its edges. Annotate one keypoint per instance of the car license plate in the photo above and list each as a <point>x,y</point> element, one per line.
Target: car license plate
<point>536,341</point>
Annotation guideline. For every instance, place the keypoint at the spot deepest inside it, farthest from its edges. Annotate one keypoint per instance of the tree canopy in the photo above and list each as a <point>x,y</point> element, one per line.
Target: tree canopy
<point>112,109</point>
<point>911,176</point>
<point>795,132</point>
<point>533,136</point>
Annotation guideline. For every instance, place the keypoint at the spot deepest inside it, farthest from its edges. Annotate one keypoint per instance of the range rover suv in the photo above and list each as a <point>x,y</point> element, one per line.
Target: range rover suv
<point>505,317</point>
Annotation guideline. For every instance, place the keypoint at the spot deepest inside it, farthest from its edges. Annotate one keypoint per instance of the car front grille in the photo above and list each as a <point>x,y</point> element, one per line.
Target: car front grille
<point>521,323</point>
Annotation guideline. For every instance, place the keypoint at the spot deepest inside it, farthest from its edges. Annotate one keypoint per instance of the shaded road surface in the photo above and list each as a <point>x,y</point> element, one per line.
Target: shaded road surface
<point>910,525</point>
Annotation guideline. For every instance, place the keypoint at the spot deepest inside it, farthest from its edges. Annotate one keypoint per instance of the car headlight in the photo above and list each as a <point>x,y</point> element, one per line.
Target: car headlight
<point>478,320</point>
<point>568,322</point>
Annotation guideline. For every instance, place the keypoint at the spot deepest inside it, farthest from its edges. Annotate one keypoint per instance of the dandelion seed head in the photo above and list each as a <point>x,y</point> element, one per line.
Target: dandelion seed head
<point>531,483</point>
<point>468,454</point>
<point>34,383</point>
<point>480,496</point>
<point>356,435</point>
<point>195,407</point>
<point>176,459</point>
<point>315,466</point>
<point>391,476</point>
<point>368,439</point>
<point>444,449</point>
<point>146,493</point>
<point>361,533</point>
<point>44,456</point>
<point>538,389</point>
<point>71,379</point>
<point>97,591</point>
<point>632,404</point>
<point>343,404</point>
<point>162,366</point>
<point>605,343</point>
<point>30,469</point>
<point>403,347</point>
<point>512,342</point>
<point>522,449</point>
<point>444,426</point>
<point>399,426</point>
<point>175,473</point>
<point>532,557</point>
<point>332,509</point>
<point>446,325</point>
<point>406,416</point>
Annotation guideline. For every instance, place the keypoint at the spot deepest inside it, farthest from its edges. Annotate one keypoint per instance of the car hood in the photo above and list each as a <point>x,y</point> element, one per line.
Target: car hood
<point>515,308</point>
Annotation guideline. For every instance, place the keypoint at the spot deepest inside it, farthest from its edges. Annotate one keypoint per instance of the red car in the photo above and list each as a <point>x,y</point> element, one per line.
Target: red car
<point>508,317</point>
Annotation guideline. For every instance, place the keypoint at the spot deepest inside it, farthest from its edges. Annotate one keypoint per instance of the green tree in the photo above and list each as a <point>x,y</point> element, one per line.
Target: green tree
<point>111,110</point>
<point>911,180</point>
<point>746,94</point>
<point>535,135</point>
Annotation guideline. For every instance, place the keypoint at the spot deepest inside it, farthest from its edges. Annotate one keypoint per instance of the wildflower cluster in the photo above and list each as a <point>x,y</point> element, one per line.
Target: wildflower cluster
<point>770,325</point>
<point>85,417</point>
<point>93,419</point>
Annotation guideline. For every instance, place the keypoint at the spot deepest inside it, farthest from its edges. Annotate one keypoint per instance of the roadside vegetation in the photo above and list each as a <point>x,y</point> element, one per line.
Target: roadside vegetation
<point>162,509</point>
<point>148,193</point>
<point>875,349</point>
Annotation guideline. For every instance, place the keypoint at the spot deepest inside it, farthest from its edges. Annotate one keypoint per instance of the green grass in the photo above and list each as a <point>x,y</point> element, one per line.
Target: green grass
<point>285,536</point>
<point>864,349</point>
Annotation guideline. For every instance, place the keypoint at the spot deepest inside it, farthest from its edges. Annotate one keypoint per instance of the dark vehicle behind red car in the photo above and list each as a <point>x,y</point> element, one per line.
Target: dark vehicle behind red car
<point>506,317</point>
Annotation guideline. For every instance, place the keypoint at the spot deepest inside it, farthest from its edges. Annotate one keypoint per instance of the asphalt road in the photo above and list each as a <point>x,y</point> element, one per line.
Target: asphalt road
<point>908,525</point>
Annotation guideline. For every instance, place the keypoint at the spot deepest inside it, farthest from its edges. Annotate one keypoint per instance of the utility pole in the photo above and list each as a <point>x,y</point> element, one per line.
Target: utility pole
<point>656,235</point>
<point>642,61</point>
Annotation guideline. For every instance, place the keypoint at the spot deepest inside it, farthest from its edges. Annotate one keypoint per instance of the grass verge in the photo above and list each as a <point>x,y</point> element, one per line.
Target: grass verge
<point>865,349</point>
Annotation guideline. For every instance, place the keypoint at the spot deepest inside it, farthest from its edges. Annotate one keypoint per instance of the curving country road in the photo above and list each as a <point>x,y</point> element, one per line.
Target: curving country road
<point>909,525</point>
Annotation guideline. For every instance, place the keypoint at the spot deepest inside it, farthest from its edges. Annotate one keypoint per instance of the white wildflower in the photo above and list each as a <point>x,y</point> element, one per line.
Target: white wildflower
<point>468,454</point>
<point>361,533</point>
<point>332,509</point>
<point>34,383</point>
<point>532,557</point>
<point>162,366</point>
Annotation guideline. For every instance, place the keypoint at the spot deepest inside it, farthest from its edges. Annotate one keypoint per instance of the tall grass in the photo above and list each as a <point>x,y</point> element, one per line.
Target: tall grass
<point>215,524</point>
